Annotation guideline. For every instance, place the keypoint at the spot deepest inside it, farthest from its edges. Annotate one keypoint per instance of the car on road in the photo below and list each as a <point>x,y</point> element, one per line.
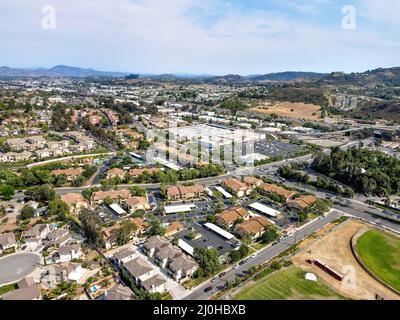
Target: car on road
<point>208,289</point>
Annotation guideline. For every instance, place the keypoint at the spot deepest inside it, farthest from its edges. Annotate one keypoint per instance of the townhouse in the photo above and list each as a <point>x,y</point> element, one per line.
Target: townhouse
<point>237,187</point>
<point>252,182</point>
<point>137,203</point>
<point>119,293</point>
<point>252,228</point>
<point>182,268</point>
<point>71,174</point>
<point>229,217</point>
<point>185,192</point>
<point>115,173</point>
<point>142,274</point>
<point>302,202</point>
<point>280,191</point>
<point>119,196</point>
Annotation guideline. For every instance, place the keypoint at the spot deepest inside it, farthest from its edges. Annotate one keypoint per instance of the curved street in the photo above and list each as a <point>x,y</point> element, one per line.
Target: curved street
<point>17,266</point>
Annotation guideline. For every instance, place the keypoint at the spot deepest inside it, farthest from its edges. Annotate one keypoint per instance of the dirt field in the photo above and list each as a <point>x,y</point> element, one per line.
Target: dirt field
<point>292,110</point>
<point>334,249</point>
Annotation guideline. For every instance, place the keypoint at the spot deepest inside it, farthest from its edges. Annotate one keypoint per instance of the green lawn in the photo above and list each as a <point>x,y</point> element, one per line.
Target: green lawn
<point>288,284</point>
<point>380,252</point>
<point>8,288</point>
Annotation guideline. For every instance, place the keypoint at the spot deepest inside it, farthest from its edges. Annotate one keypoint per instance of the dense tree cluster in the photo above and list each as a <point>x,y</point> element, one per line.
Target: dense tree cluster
<point>208,261</point>
<point>369,172</point>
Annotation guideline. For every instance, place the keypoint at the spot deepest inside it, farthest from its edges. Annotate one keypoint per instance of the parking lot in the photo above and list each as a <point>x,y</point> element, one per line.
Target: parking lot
<point>271,148</point>
<point>107,215</point>
<point>208,239</point>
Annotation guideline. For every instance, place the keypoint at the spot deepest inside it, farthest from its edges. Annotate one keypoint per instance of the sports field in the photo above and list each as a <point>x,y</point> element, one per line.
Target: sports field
<point>288,284</point>
<point>380,252</point>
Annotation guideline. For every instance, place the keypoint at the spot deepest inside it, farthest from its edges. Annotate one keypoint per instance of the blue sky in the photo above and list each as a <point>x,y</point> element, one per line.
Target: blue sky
<point>202,36</point>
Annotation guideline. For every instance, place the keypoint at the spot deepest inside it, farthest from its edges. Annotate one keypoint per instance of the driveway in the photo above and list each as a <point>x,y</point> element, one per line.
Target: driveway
<point>17,266</point>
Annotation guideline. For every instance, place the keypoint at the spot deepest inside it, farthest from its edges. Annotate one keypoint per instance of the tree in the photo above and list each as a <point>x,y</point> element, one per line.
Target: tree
<point>208,260</point>
<point>59,208</point>
<point>144,144</point>
<point>7,191</point>
<point>42,193</point>
<point>87,194</point>
<point>138,192</point>
<point>91,226</point>
<point>156,228</point>
<point>27,212</point>
<point>270,234</point>
<point>125,231</point>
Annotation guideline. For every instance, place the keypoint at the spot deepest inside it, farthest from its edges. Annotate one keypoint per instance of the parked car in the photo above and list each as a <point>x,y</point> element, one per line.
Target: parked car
<point>208,289</point>
<point>222,274</point>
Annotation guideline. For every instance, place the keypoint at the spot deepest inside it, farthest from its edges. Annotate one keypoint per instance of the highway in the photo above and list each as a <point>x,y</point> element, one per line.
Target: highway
<point>263,256</point>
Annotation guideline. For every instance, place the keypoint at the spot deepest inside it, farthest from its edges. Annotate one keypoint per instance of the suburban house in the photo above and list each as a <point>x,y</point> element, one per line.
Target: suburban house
<point>154,244</point>
<point>182,268</point>
<point>34,236</point>
<point>228,217</point>
<point>58,237</point>
<point>71,252</point>
<point>119,293</point>
<point>15,156</point>
<point>302,202</point>
<point>273,188</point>
<point>54,274</point>
<point>71,174</point>
<point>252,182</point>
<point>119,196</point>
<point>75,202</point>
<point>124,256</point>
<point>173,228</point>
<point>8,242</point>
<point>185,192</point>
<point>252,228</point>
<point>115,173</point>
<point>27,290</point>
<point>137,203</point>
<point>237,187</point>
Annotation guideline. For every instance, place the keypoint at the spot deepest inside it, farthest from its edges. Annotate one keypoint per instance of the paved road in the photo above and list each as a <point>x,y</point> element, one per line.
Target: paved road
<point>15,267</point>
<point>262,257</point>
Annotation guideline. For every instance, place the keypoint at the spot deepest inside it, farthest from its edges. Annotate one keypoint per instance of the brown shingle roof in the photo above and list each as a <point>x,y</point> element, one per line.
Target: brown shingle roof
<point>278,190</point>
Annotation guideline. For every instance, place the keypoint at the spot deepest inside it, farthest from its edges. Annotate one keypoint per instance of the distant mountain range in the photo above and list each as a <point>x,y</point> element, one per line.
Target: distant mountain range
<point>378,76</point>
<point>57,71</point>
